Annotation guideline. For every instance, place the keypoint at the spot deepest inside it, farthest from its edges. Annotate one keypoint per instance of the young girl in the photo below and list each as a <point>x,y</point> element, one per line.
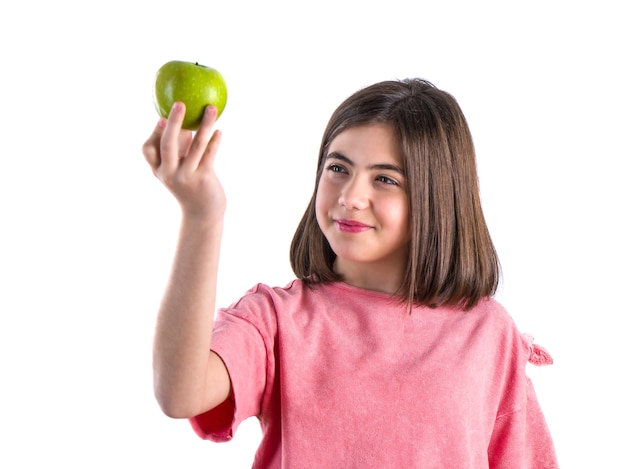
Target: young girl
<point>387,351</point>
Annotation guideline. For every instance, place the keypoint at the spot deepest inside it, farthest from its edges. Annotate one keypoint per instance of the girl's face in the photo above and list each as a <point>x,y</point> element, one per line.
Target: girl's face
<point>362,207</point>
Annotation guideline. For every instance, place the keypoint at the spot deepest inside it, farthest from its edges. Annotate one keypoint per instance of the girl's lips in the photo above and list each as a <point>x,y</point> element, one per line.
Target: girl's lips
<point>351,226</point>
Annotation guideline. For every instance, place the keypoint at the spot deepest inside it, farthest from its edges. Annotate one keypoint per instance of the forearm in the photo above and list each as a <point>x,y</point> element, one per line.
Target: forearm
<point>185,321</point>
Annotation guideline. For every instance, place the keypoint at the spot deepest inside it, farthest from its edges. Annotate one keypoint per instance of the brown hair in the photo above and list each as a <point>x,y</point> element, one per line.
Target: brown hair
<point>452,260</point>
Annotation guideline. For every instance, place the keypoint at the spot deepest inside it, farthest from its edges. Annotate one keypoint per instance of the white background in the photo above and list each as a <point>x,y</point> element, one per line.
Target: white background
<point>87,232</point>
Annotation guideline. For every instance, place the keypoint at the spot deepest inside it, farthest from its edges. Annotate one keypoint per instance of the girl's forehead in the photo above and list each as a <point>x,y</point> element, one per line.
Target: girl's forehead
<point>380,137</point>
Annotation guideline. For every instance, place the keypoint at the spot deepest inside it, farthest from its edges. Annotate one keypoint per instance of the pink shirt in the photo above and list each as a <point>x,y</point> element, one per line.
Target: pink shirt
<point>341,377</point>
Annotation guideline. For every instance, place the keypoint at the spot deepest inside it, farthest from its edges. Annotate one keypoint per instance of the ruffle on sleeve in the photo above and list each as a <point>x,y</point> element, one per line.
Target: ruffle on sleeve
<point>538,355</point>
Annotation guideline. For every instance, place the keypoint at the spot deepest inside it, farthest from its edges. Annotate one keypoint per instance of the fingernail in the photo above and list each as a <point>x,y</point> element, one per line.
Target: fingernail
<point>176,106</point>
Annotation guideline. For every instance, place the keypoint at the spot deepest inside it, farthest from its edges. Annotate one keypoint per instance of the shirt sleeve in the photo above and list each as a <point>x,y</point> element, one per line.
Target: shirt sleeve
<point>242,337</point>
<point>521,438</point>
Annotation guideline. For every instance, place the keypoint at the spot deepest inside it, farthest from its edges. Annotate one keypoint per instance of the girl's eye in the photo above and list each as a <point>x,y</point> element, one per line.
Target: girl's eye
<point>388,180</point>
<point>335,168</point>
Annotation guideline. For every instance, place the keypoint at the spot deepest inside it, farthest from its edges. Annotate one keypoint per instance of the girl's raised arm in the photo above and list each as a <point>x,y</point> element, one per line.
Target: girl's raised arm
<point>188,378</point>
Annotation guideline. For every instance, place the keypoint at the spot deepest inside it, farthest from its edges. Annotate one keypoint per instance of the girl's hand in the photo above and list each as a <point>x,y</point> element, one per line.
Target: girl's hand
<point>183,162</point>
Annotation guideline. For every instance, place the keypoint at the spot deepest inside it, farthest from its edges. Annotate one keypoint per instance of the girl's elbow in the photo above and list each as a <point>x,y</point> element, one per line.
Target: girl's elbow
<point>172,405</point>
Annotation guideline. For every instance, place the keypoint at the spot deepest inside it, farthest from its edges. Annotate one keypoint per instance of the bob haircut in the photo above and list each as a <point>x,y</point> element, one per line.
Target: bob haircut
<point>452,260</point>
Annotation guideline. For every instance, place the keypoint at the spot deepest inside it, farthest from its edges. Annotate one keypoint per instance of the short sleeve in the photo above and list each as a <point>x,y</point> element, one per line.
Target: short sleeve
<point>243,338</point>
<point>217,424</point>
<point>521,438</point>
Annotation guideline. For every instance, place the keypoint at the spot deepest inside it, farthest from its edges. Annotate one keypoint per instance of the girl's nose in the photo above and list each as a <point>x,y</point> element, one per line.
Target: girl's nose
<point>354,195</point>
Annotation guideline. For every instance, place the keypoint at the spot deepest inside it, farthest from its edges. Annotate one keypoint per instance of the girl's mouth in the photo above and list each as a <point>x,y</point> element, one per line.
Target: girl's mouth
<point>351,226</point>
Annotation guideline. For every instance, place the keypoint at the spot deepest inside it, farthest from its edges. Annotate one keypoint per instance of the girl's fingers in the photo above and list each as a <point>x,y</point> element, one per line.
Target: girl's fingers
<point>200,141</point>
<point>170,148</point>
<point>184,142</point>
<point>152,146</point>
<point>208,157</point>
<point>170,138</point>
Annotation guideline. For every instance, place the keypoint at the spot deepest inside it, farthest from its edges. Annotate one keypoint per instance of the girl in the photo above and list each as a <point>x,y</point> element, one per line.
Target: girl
<point>388,350</point>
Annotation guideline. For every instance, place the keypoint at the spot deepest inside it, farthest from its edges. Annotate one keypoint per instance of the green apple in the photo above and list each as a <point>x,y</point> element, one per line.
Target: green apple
<point>195,85</point>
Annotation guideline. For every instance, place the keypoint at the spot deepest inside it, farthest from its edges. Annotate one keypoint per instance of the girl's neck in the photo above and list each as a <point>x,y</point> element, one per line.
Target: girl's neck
<point>377,276</point>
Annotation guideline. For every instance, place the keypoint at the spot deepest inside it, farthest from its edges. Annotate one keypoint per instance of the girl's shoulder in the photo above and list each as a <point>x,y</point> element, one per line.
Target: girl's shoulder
<point>301,290</point>
<point>261,292</point>
<point>504,326</point>
<point>491,312</point>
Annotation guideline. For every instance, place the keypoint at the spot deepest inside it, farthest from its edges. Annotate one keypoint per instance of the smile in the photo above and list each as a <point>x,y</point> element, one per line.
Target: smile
<point>351,226</point>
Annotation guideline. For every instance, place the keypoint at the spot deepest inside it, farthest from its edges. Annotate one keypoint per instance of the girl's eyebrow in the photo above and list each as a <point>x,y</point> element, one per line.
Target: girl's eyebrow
<point>379,166</point>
